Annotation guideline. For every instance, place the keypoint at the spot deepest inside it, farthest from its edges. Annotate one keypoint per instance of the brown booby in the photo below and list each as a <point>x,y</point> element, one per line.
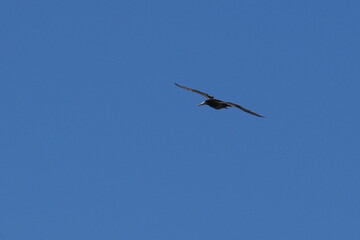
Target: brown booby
<point>216,103</point>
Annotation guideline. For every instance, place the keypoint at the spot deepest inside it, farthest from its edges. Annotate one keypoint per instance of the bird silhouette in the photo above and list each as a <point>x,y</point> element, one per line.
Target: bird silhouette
<point>216,103</point>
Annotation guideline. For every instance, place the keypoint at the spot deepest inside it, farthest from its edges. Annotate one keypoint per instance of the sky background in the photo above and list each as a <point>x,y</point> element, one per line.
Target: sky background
<point>97,142</point>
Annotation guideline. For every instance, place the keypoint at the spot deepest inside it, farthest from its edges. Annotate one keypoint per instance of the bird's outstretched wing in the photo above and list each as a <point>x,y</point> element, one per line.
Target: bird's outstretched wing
<point>244,109</point>
<point>196,91</point>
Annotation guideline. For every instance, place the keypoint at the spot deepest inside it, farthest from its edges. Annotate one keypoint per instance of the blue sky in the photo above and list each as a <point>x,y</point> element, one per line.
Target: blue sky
<point>98,143</point>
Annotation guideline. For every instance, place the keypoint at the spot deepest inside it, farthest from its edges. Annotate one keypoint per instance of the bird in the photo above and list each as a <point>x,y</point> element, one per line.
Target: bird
<point>216,103</point>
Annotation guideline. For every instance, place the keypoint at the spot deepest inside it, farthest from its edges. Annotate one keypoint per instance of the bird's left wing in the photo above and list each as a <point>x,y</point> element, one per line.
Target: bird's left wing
<point>196,91</point>
<point>244,109</point>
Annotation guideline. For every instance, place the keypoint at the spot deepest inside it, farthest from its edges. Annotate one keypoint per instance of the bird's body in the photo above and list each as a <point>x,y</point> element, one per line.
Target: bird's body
<point>216,103</point>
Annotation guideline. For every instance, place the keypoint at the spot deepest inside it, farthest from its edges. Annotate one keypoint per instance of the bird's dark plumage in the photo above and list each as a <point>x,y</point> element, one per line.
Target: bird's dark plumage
<point>216,103</point>
<point>193,90</point>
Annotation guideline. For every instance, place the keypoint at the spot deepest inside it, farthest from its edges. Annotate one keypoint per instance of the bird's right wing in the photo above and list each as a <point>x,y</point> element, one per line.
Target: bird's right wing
<point>244,109</point>
<point>196,91</point>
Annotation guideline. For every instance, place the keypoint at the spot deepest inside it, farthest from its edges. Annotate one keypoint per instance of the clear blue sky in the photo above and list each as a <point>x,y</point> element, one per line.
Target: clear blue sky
<point>98,143</point>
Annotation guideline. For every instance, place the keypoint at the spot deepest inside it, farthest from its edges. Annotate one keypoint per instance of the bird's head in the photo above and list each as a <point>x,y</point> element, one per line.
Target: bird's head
<point>203,103</point>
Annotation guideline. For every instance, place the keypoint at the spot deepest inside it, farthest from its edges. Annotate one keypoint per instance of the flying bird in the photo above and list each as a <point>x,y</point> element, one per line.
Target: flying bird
<point>216,103</point>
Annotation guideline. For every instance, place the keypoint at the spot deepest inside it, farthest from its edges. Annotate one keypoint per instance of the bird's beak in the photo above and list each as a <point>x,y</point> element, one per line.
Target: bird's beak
<point>203,103</point>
